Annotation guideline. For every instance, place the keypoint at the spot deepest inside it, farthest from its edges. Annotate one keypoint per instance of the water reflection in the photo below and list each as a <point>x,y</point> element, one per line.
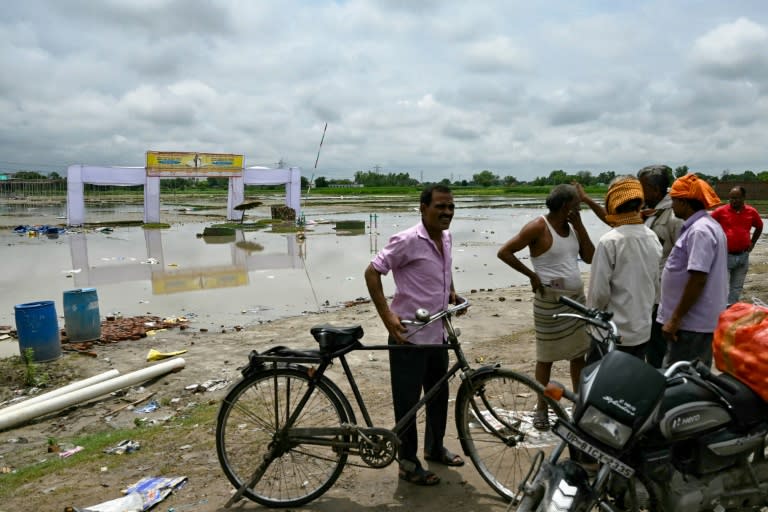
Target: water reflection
<point>168,279</point>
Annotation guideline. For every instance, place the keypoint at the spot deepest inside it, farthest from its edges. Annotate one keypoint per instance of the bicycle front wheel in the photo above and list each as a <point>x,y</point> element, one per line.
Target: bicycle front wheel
<point>494,418</point>
<point>250,434</point>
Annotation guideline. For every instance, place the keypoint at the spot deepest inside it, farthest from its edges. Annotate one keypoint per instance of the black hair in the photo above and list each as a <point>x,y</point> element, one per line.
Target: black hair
<point>659,176</point>
<point>426,194</point>
<point>560,196</point>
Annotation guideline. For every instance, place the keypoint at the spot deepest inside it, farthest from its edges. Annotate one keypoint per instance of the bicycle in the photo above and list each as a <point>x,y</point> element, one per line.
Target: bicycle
<point>285,431</point>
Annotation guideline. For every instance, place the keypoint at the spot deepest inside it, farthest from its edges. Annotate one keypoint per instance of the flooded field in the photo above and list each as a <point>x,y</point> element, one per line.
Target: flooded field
<point>251,277</point>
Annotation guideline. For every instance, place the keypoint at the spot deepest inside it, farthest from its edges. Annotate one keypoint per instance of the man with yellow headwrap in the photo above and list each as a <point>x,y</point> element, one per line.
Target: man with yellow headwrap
<point>694,283</point>
<point>624,277</point>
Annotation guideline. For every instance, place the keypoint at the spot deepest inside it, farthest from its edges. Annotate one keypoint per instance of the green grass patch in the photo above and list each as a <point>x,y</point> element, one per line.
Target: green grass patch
<point>153,439</point>
<point>156,225</point>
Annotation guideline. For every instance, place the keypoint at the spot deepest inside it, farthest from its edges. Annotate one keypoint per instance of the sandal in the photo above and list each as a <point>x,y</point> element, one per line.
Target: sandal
<point>445,458</point>
<point>541,420</point>
<point>418,476</point>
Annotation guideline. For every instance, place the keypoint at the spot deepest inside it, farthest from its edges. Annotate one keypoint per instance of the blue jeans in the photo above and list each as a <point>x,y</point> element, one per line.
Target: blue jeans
<point>737,271</point>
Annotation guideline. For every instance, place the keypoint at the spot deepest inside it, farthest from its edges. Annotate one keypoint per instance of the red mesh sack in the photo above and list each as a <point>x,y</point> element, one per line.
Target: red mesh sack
<point>740,345</point>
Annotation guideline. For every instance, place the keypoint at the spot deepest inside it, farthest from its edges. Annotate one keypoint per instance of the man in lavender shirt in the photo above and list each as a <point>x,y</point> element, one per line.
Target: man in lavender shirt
<point>420,261</point>
<point>694,283</point>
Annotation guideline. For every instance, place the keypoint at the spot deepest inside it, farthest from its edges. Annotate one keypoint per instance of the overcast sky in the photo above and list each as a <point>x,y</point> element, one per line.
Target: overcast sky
<point>436,88</point>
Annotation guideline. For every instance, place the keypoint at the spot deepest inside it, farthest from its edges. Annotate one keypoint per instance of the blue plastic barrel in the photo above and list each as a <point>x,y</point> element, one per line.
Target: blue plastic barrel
<point>81,315</point>
<point>38,329</point>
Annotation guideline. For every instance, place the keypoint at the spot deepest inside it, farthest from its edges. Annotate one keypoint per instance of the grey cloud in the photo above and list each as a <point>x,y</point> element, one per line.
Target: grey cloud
<point>574,114</point>
<point>460,132</point>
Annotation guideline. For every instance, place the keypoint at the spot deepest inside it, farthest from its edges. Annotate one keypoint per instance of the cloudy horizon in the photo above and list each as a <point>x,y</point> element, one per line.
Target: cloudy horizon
<point>433,88</point>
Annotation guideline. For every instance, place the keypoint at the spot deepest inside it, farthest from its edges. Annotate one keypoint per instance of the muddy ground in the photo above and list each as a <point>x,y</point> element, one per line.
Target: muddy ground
<point>498,328</point>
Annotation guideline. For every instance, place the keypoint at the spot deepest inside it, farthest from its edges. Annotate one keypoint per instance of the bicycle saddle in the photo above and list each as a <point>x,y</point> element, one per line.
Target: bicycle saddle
<point>332,338</point>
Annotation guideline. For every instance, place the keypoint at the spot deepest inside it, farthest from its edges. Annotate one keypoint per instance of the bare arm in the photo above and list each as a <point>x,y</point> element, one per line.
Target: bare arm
<point>388,317</point>
<point>691,293</point>
<point>527,236</point>
<point>757,232</point>
<point>586,249</point>
<point>599,210</point>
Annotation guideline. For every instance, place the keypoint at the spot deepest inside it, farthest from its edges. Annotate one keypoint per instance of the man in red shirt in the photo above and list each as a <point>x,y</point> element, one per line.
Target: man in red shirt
<point>737,219</point>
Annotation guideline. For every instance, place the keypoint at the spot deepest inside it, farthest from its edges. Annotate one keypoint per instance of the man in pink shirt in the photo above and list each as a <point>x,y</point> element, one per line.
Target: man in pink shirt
<point>737,219</point>
<point>420,261</point>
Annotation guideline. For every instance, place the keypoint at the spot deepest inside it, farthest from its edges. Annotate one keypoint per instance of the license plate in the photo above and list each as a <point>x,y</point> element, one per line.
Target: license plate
<point>570,437</point>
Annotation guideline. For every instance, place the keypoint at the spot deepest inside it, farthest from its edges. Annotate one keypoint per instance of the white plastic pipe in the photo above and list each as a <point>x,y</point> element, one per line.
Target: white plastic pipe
<point>23,414</point>
<point>63,390</point>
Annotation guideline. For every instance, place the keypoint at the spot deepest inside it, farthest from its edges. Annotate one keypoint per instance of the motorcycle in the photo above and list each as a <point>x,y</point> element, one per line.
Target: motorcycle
<point>685,440</point>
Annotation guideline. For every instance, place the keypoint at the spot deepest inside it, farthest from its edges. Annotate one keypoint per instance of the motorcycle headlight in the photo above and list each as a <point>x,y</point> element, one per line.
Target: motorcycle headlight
<point>604,428</point>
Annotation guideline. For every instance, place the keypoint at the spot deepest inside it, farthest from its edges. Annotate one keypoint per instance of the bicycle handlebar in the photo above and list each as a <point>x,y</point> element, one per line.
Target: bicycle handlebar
<point>575,305</point>
<point>421,313</point>
<point>594,316</point>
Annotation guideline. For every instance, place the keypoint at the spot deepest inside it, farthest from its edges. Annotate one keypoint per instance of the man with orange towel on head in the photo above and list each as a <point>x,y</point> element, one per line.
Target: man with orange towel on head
<point>625,268</point>
<point>694,283</point>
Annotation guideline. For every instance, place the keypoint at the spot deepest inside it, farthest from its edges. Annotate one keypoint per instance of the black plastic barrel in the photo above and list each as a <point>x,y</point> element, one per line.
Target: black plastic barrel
<point>81,315</point>
<point>38,330</point>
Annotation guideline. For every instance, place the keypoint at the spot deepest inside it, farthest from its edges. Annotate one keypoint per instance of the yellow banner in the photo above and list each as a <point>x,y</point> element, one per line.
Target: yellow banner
<point>175,164</point>
<point>198,279</point>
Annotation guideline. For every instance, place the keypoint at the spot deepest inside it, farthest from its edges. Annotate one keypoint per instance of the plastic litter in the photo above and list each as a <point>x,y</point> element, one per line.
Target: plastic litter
<point>150,407</point>
<point>143,495</point>
<point>156,355</point>
<point>130,503</point>
<point>124,446</point>
<point>209,385</point>
<point>71,451</point>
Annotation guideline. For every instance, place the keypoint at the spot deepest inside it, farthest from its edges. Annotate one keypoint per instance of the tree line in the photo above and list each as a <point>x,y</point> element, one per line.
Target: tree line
<point>484,178</point>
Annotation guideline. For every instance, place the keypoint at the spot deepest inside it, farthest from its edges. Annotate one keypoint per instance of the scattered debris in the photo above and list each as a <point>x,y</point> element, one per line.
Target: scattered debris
<point>124,446</point>
<point>156,355</point>
<point>359,300</point>
<point>131,404</point>
<point>63,454</point>
<point>150,407</point>
<point>209,385</point>
<point>114,329</point>
<point>39,230</point>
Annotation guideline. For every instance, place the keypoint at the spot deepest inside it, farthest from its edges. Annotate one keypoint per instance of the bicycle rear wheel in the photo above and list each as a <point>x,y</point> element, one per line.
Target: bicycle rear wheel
<point>250,433</point>
<point>494,418</point>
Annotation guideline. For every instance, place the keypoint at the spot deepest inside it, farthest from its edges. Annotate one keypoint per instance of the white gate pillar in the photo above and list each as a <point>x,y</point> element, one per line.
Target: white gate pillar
<point>152,200</point>
<point>235,196</point>
<point>75,196</point>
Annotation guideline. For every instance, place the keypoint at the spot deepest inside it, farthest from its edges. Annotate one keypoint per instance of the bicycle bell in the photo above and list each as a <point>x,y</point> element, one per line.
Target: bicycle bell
<point>422,315</point>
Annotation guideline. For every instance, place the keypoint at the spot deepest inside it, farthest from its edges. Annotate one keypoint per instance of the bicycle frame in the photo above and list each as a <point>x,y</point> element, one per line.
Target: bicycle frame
<point>377,447</point>
<point>321,435</point>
